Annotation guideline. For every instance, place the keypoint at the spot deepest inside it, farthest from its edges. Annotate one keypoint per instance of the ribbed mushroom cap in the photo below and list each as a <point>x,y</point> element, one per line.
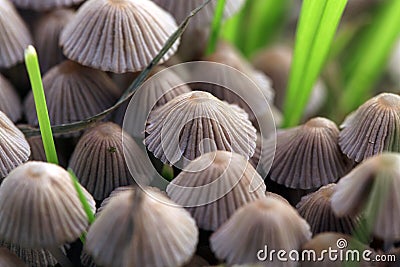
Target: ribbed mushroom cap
<point>15,36</point>
<point>44,4</point>
<point>40,207</point>
<point>37,148</point>
<point>118,35</point>
<point>196,123</point>
<point>181,9</point>
<point>14,149</point>
<point>99,163</point>
<point>308,156</point>
<point>214,186</point>
<point>9,259</point>
<point>266,221</point>
<point>374,186</point>
<point>9,100</point>
<point>142,229</point>
<point>372,129</point>
<point>316,209</point>
<point>73,93</point>
<point>47,34</point>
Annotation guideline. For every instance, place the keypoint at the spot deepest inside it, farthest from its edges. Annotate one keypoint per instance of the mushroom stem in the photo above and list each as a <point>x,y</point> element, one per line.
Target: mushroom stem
<point>60,257</point>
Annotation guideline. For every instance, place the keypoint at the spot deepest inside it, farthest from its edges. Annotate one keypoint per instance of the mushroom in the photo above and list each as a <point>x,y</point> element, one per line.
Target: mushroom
<point>214,186</point>
<point>316,209</point>
<point>372,129</point>
<point>15,36</point>
<point>394,69</point>
<point>139,228</point>
<point>307,156</point>
<point>43,5</point>
<point>118,35</point>
<point>14,149</point>
<point>9,259</point>
<point>265,221</point>
<point>196,123</point>
<point>9,100</point>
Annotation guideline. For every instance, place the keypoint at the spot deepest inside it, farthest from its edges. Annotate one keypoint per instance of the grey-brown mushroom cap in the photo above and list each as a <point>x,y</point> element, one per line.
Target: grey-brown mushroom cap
<point>14,149</point>
<point>118,35</point>
<point>372,129</point>
<point>135,226</point>
<point>40,207</point>
<point>307,156</point>
<point>15,36</point>
<point>372,188</point>
<point>214,186</point>
<point>44,5</point>
<point>10,103</point>
<point>196,123</point>
<point>265,221</point>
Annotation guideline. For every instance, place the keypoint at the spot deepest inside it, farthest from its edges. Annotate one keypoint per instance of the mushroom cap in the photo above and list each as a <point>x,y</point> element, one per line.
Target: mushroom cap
<point>73,93</point>
<point>374,184</point>
<point>196,123</point>
<point>214,186</point>
<point>265,221</point>
<point>316,209</point>
<point>118,35</point>
<point>9,259</point>
<point>307,156</point>
<point>181,9</point>
<point>14,149</point>
<point>135,226</point>
<point>40,207</point>
<point>43,5</point>
<point>99,161</point>
<point>46,34</point>
<point>15,36</point>
<point>10,103</point>
<point>372,129</point>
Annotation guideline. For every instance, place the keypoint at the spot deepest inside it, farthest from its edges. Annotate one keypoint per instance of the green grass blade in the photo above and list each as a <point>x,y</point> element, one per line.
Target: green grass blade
<point>32,66</point>
<point>371,56</point>
<point>216,27</point>
<point>317,26</point>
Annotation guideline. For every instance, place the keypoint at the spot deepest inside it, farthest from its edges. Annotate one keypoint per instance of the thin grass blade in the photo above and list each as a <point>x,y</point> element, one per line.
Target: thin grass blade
<point>216,27</point>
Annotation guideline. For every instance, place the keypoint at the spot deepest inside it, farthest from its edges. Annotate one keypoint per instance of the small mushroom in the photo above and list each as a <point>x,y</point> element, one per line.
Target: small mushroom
<point>43,5</point>
<point>15,36</point>
<point>118,35</point>
<point>10,103</point>
<point>316,209</point>
<point>40,207</point>
<point>14,149</point>
<point>214,186</point>
<point>265,221</point>
<point>372,129</point>
<point>9,259</point>
<point>307,156</point>
<point>196,123</point>
<point>139,228</point>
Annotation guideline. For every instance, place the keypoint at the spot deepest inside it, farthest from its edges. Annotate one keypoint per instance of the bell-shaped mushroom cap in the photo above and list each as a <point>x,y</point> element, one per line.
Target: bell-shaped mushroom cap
<point>316,209</point>
<point>374,186</point>
<point>14,149</point>
<point>181,9</point>
<point>73,93</point>
<point>44,4</point>
<point>308,156</point>
<point>9,259</point>
<point>196,123</point>
<point>15,36</point>
<point>40,207</point>
<point>99,163</point>
<point>118,35</point>
<point>9,100</point>
<point>47,34</point>
<point>266,221</point>
<point>372,129</point>
<point>214,186</point>
<point>139,228</point>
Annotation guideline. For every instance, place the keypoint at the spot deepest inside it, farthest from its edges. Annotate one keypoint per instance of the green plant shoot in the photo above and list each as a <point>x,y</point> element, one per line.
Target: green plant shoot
<point>216,27</point>
<point>82,197</point>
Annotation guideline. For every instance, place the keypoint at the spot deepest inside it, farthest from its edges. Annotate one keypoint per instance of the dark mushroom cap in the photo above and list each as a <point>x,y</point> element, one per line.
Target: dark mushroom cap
<point>307,156</point>
<point>43,5</point>
<point>9,259</point>
<point>10,103</point>
<point>118,35</point>
<point>372,129</point>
